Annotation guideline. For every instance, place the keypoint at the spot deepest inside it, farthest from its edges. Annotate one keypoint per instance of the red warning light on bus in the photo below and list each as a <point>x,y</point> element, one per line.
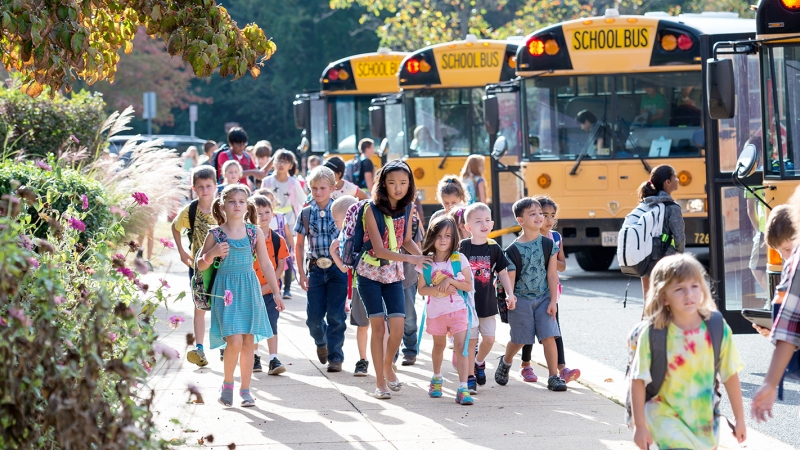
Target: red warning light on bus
<point>333,74</point>
<point>412,66</point>
<point>793,5</point>
<point>536,47</point>
<point>685,42</point>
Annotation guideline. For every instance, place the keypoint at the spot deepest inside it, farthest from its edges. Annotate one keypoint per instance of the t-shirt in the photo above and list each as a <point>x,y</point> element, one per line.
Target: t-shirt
<point>348,188</point>
<point>283,253</point>
<point>471,184</point>
<point>246,162</point>
<point>485,260</point>
<point>438,306</point>
<point>366,167</point>
<point>533,279</point>
<point>652,105</point>
<point>682,414</point>
<point>289,195</point>
<point>392,272</point>
<point>202,223</point>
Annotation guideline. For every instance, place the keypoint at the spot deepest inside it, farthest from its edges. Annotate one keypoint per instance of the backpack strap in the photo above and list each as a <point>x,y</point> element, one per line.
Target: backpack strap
<point>658,361</point>
<point>716,328</point>
<point>192,217</point>
<point>512,252</point>
<point>547,249</point>
<point>455,262</point>
<point>305,216</point>
<point>252,236</point>
<point>276,244</point>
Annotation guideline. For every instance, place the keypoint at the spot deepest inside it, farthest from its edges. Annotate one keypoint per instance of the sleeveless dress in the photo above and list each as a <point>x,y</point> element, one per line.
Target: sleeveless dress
<point>247,314</point>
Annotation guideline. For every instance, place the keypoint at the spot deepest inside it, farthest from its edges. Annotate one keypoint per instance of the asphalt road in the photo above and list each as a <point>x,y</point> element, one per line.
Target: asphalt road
<point>595,324</point>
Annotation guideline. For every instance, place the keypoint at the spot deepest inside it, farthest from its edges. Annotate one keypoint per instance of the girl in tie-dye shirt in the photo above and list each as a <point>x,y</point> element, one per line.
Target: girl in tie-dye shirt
<point>684,414</point>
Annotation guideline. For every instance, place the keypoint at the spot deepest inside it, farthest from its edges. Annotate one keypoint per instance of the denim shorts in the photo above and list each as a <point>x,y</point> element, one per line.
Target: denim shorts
<point>382,299</point>
<point>529,320</point>
<point>272,312</point>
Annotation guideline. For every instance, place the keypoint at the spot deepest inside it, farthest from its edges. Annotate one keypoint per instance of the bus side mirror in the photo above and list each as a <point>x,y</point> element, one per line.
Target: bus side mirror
<point>720,88</point>
<point>491,114</point>
<point>500,148</point>
<point>377,122</point>
<point>746,164</point>
<point>304,145</point>
<point>384,147</point>
<point>302,113</point>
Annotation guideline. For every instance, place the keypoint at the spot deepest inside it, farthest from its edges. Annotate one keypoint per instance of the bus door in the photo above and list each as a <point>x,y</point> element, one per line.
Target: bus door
<point>736,206</point>
<point>502,119</point>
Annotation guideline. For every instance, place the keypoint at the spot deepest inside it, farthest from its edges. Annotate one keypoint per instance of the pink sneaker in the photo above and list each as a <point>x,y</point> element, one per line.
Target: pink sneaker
<point>569,374</point>
<point>528,375</point>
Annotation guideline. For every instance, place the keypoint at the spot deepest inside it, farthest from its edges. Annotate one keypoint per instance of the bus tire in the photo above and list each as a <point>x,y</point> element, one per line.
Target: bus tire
<point>596,259</point>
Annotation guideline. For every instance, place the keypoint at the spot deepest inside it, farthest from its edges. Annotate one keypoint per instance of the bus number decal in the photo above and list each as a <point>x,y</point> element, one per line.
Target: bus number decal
<point>610,39</point>
<point>701,238</point>
<point>472,60</point>
<point>377,69</point>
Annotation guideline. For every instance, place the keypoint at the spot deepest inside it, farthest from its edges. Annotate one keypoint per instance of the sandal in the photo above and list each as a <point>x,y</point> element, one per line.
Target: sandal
<point>381,395</point>
<point>394,385</point>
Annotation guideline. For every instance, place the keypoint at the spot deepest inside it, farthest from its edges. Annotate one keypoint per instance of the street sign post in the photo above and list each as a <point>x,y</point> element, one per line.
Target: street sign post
<point>192,117</point>
<point>149,109</point>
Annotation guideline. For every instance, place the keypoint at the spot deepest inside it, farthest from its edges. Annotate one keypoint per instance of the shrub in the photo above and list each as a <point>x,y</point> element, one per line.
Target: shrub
<point>41,126</point>
<point>61,188</point>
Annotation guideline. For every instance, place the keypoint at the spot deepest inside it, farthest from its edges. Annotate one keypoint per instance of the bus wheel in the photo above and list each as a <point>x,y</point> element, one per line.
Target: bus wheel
<point>596,259</point>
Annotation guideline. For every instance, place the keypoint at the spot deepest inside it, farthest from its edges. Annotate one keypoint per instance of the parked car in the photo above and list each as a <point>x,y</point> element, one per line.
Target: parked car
<point>177,142</point>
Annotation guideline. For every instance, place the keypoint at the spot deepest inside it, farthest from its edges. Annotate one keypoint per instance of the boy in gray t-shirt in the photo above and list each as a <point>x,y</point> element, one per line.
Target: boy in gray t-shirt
<point>533,314</point>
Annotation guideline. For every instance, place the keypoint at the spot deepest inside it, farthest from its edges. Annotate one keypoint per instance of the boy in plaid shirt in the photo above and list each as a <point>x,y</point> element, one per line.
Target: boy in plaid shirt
<point>320,277</point>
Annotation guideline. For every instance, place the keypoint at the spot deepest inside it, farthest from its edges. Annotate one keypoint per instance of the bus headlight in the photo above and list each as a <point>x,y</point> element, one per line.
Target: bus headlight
<point>692,205</point>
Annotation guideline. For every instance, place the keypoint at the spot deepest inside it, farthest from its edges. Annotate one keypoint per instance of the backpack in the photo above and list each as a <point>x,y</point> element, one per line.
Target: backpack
<point>352,171</point>
<point>642,228</point>
<point>203,280</point>
<point>352,246</point>
<point>513,254</point>
<point>192,217</point>
<point>276,244</point>
<point>658,360</point>
<point>227,150</point>
<point>427,273</point>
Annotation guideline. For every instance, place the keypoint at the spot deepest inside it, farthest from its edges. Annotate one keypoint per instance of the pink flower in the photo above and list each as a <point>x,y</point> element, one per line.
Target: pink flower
<point>146,366</point>
<point>33,262</point>
<point>25,242</point>
<point>119,256</point>
<point>167,243</point>
<point>140,198</point>
<point>164,349</point>
<point>112,336</point>
<point>164,283</point>
<point>43,165</point>
<point>58,299</point>
<point>175,322</point>
<point>72,136</point>
<point>127,273</point>
<point>228,297</point>
<point>85,200</point>
<point>20,315</point>
<point>77,224</point>
<point>118,211</point>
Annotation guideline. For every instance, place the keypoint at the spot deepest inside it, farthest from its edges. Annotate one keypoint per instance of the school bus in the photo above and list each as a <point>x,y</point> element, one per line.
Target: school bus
<point>436,122</point>
<point>336,118</point>
<point>603,101</point>
<point>756,167</point>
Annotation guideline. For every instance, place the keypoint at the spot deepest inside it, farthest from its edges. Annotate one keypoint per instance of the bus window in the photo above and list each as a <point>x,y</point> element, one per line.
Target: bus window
<point>344,125</point>
<point>745,127</point>
<point>445,121</point>
<point>652,115</point>
<point>508,105</point>
<point>781,76</point>
<point>319,126</point>
<point>395,131</point>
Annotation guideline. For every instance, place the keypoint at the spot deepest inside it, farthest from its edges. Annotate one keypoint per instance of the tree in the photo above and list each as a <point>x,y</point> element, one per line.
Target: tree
<point>56,43</point>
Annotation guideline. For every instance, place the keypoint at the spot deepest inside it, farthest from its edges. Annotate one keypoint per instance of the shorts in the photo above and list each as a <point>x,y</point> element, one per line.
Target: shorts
<point>382,299</point>
<point>358,314</point>
<point>272,312</point>
<point>453,323</point>
<point>758,255</point>
<point>487,326</point>
<point>529,320</point>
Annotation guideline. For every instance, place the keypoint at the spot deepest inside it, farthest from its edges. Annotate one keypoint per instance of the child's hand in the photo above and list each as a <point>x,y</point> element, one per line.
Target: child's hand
<point>740,431</point>
<point>220,250</point>
<point>642,438</point>
<point>185,258</point>
<point>347,307</point>
<point>511,301</point>
<point>761,406</point>
<point>421,260</point>
<point>303,280</point>
<point>279,305</point>
<point>443,285</point>
<point>552,308</point>
<point>762,331</point>
<point>452,290</point>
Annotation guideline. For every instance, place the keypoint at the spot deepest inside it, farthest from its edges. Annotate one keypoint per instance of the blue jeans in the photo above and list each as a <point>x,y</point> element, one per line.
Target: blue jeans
<point>410,326</point>
<point>327,292</point>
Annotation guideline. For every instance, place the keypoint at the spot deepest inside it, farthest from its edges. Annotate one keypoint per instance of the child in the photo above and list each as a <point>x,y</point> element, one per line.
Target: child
<point>280,225</point>
<point>277,256</point>
<point>784,329</point>
<point>449,193</point>
<point>289,195</point>
<point>325,283</point>
<point>447,309</point>
<point>380,274</point>
<point>549,210</point>
<point>486,258</point>
<point>343,187</point>
<point>472,178</point>
<point>231,173</point>
<point>238,316</point>
<point>204,184</point>
<point>262,151</point>
<point>682,415</point>
<point>358,315</point>
<point>533,313</point>
<point>313,162</point>
<point>190,158</point>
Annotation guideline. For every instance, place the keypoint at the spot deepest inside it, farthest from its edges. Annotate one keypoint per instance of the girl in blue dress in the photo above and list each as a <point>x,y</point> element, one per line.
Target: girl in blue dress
<point>238,315</point>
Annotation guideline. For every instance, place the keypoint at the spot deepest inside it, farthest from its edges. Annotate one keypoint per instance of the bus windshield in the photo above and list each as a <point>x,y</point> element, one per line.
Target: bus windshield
<point>781,76</point>
<point>648,115</point>
<point>349,122</point>
<point>446,122</point>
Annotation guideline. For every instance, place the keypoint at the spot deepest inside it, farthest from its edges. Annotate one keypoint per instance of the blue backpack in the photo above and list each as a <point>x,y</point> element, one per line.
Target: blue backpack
<point>352,246</point>
<point>427,273</point>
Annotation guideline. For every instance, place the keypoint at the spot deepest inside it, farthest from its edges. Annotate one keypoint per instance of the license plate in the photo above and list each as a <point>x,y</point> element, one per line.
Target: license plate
<point>609,238</point>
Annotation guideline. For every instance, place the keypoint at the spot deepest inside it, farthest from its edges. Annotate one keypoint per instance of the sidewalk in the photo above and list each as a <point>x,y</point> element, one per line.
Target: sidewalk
<point>306,406</point>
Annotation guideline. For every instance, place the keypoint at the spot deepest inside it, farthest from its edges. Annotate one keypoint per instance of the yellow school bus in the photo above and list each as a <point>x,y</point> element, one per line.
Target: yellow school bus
<point>336,118</point>
<point>436,122</point>
<point>758,170</point>
<point>605,100</point>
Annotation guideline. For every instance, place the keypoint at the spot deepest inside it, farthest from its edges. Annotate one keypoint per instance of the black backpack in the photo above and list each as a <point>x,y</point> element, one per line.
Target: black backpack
<point>513,254</point>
